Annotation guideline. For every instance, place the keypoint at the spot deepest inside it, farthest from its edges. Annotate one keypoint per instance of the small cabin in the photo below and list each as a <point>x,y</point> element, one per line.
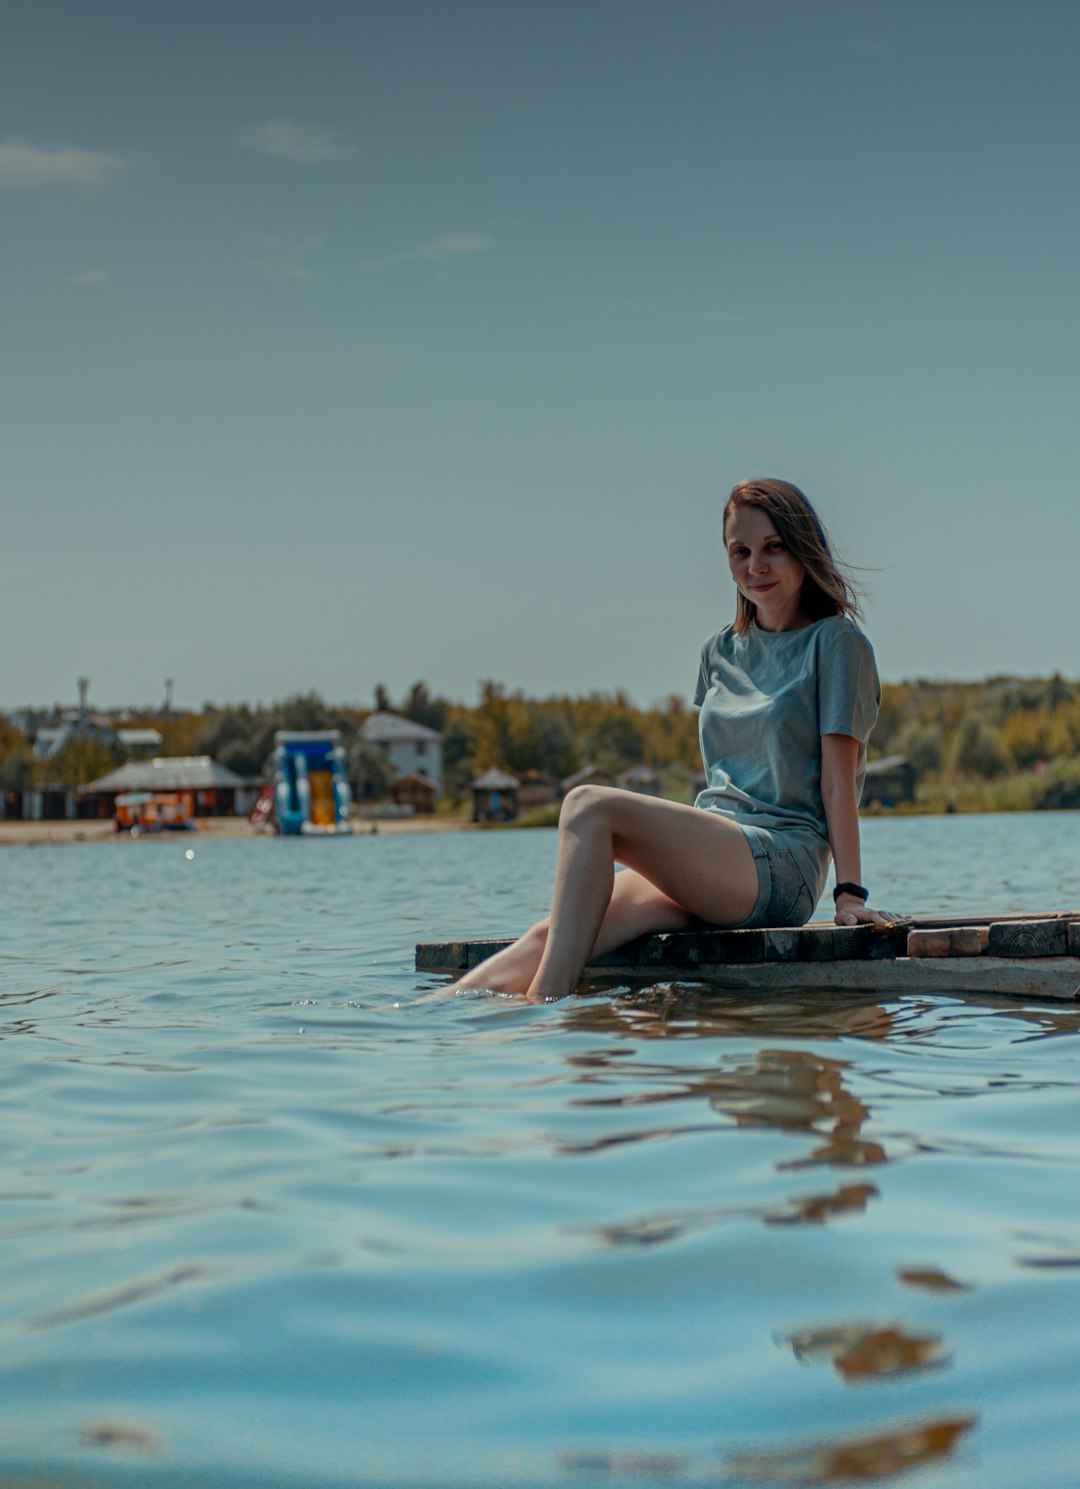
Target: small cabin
<point>888,781</point>
<point>643,779</point>
<point>588,775</point>
<point>537,789</point>
<point>495,796</point>
<point>416,791</point>
<point>410,748</point>
<point>209,789</point>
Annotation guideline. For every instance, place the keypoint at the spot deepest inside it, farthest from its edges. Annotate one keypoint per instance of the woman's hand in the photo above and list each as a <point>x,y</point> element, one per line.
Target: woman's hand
<point>850,910</point>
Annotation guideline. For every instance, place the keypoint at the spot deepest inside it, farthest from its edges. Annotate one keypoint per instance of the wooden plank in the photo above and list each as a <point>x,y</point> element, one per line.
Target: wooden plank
<point>888,941</point>
<point>819,942</point>
<point>964,940</point>
<point>439,956</point>
<point>1054,979</point>
<point>815,944</point>
<point>732,946</point>
<point>938,922</point>
<point>1028,938</point>
<point>851,943</point>
<point>781,944</point>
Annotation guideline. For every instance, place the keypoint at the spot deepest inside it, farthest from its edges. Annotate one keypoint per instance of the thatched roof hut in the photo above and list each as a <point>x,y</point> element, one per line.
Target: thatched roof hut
<point>494,796</point>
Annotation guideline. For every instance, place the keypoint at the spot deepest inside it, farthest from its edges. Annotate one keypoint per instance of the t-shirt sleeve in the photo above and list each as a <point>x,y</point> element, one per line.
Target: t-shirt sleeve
<point>849,693</point>
<point>703,677</point>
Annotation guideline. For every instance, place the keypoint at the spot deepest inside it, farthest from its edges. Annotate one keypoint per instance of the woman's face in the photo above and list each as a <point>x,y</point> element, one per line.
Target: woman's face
<point>766,573</point>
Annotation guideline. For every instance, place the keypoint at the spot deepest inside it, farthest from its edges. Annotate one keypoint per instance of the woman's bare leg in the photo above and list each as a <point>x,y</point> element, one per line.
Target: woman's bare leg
<point>636,907</point>
<point>698,860</point>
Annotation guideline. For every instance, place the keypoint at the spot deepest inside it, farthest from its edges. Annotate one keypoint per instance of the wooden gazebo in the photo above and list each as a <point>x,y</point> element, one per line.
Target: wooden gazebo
<point>494,796</point>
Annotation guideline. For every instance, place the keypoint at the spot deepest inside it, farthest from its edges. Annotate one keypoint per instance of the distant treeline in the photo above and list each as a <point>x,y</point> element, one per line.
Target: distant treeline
<point>1002,743</point>
<point>554,735</point>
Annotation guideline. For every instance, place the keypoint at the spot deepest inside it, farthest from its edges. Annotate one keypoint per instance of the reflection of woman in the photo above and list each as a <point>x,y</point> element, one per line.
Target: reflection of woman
<point>788,694</point>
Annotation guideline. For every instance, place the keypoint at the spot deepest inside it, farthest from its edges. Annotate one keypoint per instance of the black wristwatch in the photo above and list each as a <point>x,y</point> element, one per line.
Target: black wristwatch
<point>858,890</point>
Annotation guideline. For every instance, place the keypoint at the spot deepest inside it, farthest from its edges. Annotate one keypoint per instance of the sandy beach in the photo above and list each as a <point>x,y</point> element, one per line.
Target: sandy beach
<point>13,834</point>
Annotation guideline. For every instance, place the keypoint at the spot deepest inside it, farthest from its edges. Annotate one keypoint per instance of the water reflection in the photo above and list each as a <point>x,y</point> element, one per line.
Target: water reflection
<point>125,1296</point>
<point>808,1209</point>
<point>816,1209</point>
<point>123,1437</point>
<point>860,1352</point>
<point>1055,1252</point>
<point>802,1091</point>
<point>659,1466</point>
<point>931,1280</point>
<point>883,1455</point>
<point>793,1091</point>
<point>864,1458</point>
<point>693,1011</point>
<point>684,1010</point>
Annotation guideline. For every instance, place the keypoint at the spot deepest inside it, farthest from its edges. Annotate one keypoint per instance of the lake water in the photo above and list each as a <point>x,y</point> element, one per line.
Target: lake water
<point>263,1224</point>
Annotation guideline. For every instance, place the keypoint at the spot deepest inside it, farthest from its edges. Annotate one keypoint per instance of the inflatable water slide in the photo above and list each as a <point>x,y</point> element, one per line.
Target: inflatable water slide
<point>311,788</point>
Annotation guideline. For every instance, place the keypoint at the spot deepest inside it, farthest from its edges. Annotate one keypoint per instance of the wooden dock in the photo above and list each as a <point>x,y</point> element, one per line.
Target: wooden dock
<point>1010,956</point>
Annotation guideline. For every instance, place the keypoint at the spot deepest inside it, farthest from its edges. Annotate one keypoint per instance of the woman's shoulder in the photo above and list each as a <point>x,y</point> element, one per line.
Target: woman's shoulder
<point>723,643</point>
<point>720,640</point>
<point>841,630</point>
<point>841,647</point>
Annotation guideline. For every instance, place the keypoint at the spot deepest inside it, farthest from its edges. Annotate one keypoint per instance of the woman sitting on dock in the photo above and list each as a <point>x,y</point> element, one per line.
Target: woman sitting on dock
<point>788,694</point>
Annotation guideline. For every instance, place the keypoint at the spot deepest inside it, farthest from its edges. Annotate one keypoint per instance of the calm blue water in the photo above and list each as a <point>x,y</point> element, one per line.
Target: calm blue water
<point>262,1224</point>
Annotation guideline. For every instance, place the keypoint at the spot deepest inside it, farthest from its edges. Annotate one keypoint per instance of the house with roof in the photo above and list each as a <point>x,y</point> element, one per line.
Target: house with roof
<point>888,781</point>
<point>411,748</point>
<point>212,789</point>
<point>51,739</point>
<point>642,779</point>
<point>588,775</point>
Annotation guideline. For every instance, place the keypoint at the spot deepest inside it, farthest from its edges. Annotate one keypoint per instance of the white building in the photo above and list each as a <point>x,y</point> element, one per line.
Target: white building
<point>409,747</point>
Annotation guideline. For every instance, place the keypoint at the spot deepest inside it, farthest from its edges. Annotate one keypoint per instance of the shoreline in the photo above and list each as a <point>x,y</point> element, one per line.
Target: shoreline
<point>32,834</point>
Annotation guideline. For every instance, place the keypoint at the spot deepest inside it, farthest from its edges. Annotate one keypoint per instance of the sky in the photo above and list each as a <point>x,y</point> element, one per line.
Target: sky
<point>349,343</point>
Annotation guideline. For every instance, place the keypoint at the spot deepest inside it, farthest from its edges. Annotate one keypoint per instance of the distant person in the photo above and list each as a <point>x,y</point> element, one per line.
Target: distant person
<point>788,694</point>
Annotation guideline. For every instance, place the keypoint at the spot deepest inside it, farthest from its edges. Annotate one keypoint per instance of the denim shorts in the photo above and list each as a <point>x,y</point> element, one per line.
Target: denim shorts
<point>784,897</point>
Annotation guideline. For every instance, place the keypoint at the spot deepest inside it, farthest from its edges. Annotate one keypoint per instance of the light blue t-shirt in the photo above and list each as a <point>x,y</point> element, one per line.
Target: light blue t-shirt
<point>766,698</point>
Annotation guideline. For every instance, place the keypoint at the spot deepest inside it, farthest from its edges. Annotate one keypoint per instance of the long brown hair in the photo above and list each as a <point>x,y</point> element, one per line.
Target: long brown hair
<point>826,590</point>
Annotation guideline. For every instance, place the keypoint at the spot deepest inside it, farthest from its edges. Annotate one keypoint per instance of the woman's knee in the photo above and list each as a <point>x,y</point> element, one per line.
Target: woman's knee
<point>537,935</point>
<point>586,803</point>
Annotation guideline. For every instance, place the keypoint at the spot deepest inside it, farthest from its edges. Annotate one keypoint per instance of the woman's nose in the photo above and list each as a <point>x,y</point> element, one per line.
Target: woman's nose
<point>758,563</point>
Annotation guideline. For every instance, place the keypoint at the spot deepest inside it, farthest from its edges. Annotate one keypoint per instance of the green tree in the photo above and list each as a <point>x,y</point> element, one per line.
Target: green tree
<point>82,760</point>
<point>617,741</point>
<point>922,744</point>
<point>422,708</point>
<point>17,768</point>
<point>460,744</point>
<point>978,750</point>
<point>369,771</point>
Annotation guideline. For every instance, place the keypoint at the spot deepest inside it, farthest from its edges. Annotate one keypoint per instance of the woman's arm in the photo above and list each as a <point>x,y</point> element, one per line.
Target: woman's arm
<point>839,757</point>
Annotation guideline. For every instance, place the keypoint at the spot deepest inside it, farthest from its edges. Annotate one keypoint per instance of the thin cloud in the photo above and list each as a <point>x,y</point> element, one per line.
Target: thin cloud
<point>300,144</point>
<point>300,272</point>
<point>726,317</point>
<point>296,247</point>
<point>89,276</point>
<point>31,165</point>
<point>436,251</point>
<point>292,257</point>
